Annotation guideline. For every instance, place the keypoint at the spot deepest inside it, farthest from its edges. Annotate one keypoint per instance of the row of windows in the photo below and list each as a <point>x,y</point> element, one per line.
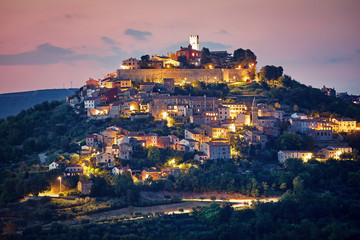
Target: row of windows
<point>224,153</point>
<point>74,170</point>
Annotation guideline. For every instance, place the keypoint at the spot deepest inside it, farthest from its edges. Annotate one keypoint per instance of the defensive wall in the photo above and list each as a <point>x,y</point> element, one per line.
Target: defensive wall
<point>185,75</point>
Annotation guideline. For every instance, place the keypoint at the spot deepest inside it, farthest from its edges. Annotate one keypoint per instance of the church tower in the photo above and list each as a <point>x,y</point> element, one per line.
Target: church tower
<point>194,42</point>
<point>254,114</point>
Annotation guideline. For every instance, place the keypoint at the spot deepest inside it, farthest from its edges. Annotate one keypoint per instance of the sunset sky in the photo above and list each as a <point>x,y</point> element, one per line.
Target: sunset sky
<point>50,43</point>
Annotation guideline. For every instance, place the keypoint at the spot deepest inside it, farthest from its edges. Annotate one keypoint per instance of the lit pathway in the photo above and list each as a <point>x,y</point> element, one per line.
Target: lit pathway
<point>240,202</point>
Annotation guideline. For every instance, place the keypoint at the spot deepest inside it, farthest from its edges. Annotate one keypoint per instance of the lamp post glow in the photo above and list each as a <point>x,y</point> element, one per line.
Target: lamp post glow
<point>164,115</point>
<point>60,182</point>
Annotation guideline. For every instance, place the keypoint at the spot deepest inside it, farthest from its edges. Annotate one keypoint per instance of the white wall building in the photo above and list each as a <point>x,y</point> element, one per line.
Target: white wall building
<point>53,165</point>
<point>235,108</point>
<point>216,150</point>
<point>105,159</point>
<point>191,143</point>
<point>91,102</point>
<point>120,170</point>
<point>285,154</point>
<point>194,42</point>
<point>224,113</point>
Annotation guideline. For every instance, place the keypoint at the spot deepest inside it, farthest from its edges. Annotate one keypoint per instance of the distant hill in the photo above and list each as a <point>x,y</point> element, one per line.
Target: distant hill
<point>14,103</point>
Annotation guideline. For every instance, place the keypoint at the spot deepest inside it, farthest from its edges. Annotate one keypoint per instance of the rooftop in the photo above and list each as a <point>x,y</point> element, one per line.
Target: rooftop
<point>217,144</point>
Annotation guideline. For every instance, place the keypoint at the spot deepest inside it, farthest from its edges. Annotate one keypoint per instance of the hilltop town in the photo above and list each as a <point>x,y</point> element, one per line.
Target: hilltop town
<point>211,128</point>
<point>162,139</point>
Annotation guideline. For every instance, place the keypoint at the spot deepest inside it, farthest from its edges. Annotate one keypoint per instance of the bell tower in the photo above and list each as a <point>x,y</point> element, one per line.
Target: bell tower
<point>254,113</point>
<point>194,42</point>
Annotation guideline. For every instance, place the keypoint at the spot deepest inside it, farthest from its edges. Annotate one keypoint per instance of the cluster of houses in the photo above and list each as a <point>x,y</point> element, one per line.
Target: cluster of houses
<point>344,95</point>
<point>112,97</point>
<point>326,134</point>
<point>213,121</point>
<point>217,121</point>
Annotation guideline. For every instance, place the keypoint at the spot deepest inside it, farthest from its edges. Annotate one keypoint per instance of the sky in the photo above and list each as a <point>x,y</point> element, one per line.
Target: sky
<point>62,43</point>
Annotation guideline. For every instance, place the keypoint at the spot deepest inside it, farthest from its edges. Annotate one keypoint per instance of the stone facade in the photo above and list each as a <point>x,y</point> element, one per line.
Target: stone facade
<point>184,75</point>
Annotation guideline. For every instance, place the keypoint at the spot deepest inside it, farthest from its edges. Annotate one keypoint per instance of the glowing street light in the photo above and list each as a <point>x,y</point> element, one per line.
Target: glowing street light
<point>60,182</point>
<point>164,115</point>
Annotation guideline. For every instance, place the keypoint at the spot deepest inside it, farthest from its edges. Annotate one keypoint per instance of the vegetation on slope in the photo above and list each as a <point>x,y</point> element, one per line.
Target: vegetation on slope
<point>13,103</point>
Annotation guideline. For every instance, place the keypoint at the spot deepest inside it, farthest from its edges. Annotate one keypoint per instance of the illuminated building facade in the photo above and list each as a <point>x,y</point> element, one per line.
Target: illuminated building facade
<point>303,155</point>
<point>194,42</point>
<point>344,124</point>
<point>235,108</point>
<point>335,151</point>
<point>131,63</point>
<point>190,53</point>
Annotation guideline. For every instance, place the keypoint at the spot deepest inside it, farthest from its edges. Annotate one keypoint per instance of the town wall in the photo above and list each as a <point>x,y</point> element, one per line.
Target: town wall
<point>184,75</point>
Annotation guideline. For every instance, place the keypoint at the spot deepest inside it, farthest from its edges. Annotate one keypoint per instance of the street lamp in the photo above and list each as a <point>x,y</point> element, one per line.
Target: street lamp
<point>60,182</point>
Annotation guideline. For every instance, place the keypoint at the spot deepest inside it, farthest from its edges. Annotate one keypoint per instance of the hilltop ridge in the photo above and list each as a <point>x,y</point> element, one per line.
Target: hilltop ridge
<point>13,103</point>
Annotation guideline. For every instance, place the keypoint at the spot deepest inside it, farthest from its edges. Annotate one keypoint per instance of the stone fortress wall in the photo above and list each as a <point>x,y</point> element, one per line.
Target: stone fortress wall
<point>184,75</point>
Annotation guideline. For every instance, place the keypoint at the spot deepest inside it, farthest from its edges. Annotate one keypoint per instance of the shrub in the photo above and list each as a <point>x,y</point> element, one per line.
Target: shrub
<point>176,198</point>
<point>72,192</point>
<point>138,214</point>
<point>45,199</point>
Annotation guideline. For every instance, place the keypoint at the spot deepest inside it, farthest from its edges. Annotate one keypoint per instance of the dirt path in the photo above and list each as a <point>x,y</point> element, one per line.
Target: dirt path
<point>186,206</point>
<point>166,209</point>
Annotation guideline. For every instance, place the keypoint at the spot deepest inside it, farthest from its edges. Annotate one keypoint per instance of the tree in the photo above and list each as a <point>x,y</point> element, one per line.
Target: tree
<point>99,187</point>
<point>353,139</point>
<point>145,58</point>
<point>29,146</point>
<point>289,141</point>
<point>205,56</point>
<point>239,55</point>
<point>294,165</point>
<point>145,62</point>
<point>298,187</point>
<point>239,145</point>
<point>244,57</point>
<point>122,183</point>
<point>154,155</point>
<point>185,62</point>
<point>269,73</point>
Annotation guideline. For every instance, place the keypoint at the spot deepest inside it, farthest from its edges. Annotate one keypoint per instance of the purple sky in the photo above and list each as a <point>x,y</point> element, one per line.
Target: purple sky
<point>48,44</point>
